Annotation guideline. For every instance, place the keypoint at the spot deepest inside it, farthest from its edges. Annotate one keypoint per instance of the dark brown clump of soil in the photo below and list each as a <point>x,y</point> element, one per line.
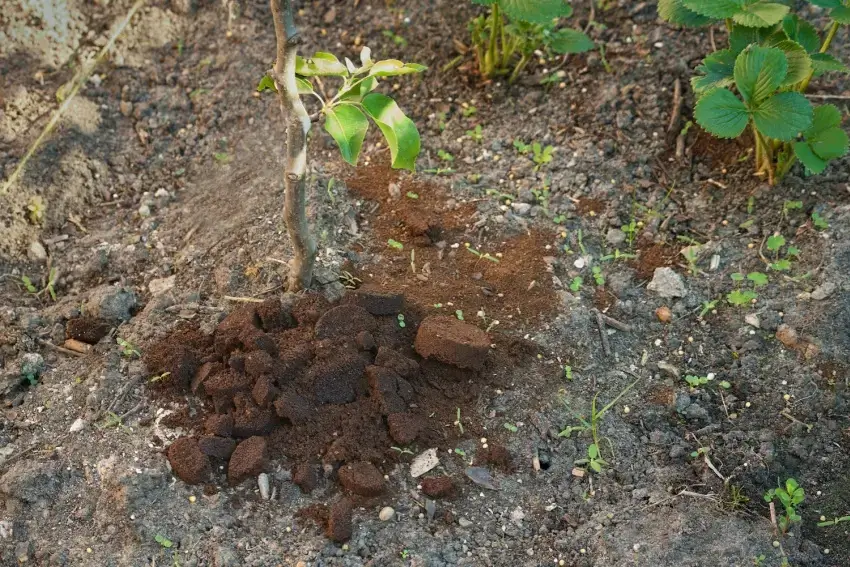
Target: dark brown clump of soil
<point>87,329</point>
<point>496,456</point>
<point>438,486</point>
<point>342,386</point>
<point>655,256</point>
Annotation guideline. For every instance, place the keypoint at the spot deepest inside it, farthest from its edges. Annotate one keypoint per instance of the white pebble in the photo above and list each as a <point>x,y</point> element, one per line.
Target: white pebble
<point>386,514</point>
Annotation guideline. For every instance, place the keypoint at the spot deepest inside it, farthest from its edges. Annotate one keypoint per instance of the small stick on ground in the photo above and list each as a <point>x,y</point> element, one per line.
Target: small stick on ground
<point>677,106</point>
<point>242,299</point>
<point>773,519</point>
<point>600,322</point>
<point>619,325</point>
<point>63,350</point>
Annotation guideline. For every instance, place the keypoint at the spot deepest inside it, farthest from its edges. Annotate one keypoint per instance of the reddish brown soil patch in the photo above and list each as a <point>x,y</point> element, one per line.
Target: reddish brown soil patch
<point>442,272</point>
<point>188,462</point>
<point>87,329</point>
<point>363,479</point>
<point>603,299</point>
<point>496,456</point>
<point>655,256</point>
<point>589,206</point>
<point>438,486</point>
<point>247,460</point>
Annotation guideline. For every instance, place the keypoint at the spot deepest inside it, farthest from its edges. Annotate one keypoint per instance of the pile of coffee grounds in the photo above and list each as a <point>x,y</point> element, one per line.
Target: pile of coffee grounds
<point>334,391</point>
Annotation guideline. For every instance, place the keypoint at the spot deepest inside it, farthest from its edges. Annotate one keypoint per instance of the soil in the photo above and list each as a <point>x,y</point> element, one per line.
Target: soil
<point>163,232</point>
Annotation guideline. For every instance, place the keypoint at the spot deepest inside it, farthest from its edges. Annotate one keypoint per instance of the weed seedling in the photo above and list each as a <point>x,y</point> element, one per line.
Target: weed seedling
<point>594,459</point>
<point>163,541</point>
<point>819,222</point>
<point>48,288</point>
<point>401,322</point>
<point>775,243</point>
<point>597,275</point>
<point>511,427</point>
<point>445,156</point>
<point>691,255</point>
<point>402,451</point>
<point>542,155</point>
<point>575,285</point>
<point>458,422</point>
<point>127,348</point>
<point>468,111</point>
<point>790,495</point>
<point>631,232</point>
<point>740,297</point>
<point>824,523</point>
<point>395,244</point>
<point>707,307</point>
<point>395,38</point>
<point>35,209</point>
<point>459,315</point>
<point>476,134</point>
<point>522,147</point>
<point>479,255</point>
<point>568,372</point>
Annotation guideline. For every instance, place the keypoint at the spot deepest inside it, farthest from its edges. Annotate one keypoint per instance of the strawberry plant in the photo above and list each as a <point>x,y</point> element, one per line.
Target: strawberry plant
<point>506,48</point>
<point>346,118</point>
<point>759,80</point>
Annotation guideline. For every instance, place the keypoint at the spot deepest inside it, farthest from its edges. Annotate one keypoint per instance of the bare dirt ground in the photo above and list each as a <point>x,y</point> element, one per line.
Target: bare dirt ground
<point>163,197</point>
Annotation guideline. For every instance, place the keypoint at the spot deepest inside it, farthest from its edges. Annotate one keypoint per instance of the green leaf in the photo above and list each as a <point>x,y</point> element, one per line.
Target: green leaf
<point>826,3</point>
<point>801,31</point>
<point>347,125</point>
<point>675,12</point>
<point>759,71</point>
<point>760,14</point>
<point>781,265</point>
<point>715,71</point>
<point>511,427</point>
<point>818,220</point>
<point>783,116</point>
<point>399,130</point>
<point>266,84</point>
<point>534,11</point>
<point>741,297</point>
<point>593,451</point>
<point>596,466</point>
<point>742,37</point>
<point>395,244</point>
<point>737,277</point>
<point>759,279</point>
<point>393,67</point>
<point>356,92</point>
<point>567,40</point>
<point>320,64</point>
<point>809,158</point>
<point>775,242</point>
<point>717,9</point>
<point>304,86</point>
<point>799,62</point>
<point>829,144</point>
<point>841,14</point>
<point>826,116</point>
<point>163,541</point>
<point>824,62</point>
<point>721,113</point>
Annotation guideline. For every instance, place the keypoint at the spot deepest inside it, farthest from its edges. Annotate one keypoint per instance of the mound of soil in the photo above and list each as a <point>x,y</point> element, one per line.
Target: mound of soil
<point>313,379</point>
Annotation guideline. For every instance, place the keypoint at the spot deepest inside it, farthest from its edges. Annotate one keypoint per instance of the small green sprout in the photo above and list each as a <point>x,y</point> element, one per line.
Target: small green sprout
<point>521,146</point>
<point>476,134</point>
<point>127,348</point>
<point>597,275</point>
<point>542,155</point>
<point>401,322</point>
<point>163,541</point>
<point>790,496</point>
<point>819,222</point>
<point>511,427</point>
<point>445,156</point>
<point>459,315</point>
<point>395,244</point>
<point>575,285</point>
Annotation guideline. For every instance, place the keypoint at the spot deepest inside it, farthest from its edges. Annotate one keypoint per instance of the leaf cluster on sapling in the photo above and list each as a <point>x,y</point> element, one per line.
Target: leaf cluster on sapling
<point>505,48</point>
<point>741,297</point>
<point>790,495</point>
<point>759,80</point>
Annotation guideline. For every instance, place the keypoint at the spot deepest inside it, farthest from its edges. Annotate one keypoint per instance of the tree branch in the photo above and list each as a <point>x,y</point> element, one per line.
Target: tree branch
<point>295,159</point>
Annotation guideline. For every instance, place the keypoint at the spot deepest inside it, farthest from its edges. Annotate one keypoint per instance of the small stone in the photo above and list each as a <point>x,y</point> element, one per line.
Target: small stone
<point>664,314</point>
<point>464,523</point>
<point>752,320</point>
<point>386,514</point>
<point>521,209</point>
<point>787,335</point>
<point>126,107</point>
<point>144,210</point>
<point>424,462</point>
<point>78,425</point>
<point>263,483</point>
<point>36,251</point>
<point>159,286</point>
<point>394,190</point>
<point>823,291</point>
<point>667,283</point>
<point>111,303</point>
<point>615,236</point>
<point>188,462</point>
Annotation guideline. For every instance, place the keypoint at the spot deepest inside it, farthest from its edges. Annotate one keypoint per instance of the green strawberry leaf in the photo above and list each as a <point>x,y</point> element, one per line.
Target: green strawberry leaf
<point>841,14</point>
<point>799,62</point>
<point>808,158</point>
<point>759,71</point>
<point>824,62</point>
<point>760,14</point>
<point>783,116</point>
<point>801,31</point>
<point>567,40</point>
<point>829,144</point>
<point>742,37</point>
<point>716,9</point>
<point>722,113</point>
<point>826,3</point>
<point>347,125</point>
<point>399,130</point>
<point>675,12</point>
<point>715,71</point>
<point>534,11</point>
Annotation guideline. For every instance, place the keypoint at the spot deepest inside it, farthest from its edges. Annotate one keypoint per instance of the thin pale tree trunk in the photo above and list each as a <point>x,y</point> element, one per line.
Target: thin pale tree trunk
<point>295,159</point>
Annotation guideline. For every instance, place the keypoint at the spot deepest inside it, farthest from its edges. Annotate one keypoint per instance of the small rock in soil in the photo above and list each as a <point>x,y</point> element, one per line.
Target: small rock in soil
<point>306,477</point>
<point>482,477</point>
<point>453,342</point>
<point>32,364</point>
<point>404,428</point>
<point>188,462</point>
<point>386,514</point>
<point>664,314</point>
<point>615,236</point>
<point>823,291</point>
<point>293,408</point>
<point>362,478</point>
<point>339,527</point>
<point>424,462</point>
<point>667,283</point>
<point>377,303</point>
<point>87,329</point>
<point>787,335</point>
<point>752,320</point>
<point>263,483</point>
<point>344,321</point>
<point>111,303</point>
<point>438,486</point>
<point>247,460</point>
<point>219,424</point>
<point>217,447</point>
<point>397,362</point>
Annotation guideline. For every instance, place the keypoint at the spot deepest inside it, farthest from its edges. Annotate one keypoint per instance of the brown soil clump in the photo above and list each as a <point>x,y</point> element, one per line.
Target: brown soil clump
<point>452,341</point>
<point>247,460</point>
<point>655,256</point>
<point>363,479</point>
<point>87,329</point>
<point>438,486</point>
<point>188,461</point>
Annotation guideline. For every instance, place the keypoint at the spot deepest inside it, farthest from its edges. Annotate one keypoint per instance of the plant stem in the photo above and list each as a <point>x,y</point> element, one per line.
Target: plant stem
<point>495,19</point>
<point>295,161</point>
<point>519,67</point>
<point>729,25</point>
<point>830,35</point>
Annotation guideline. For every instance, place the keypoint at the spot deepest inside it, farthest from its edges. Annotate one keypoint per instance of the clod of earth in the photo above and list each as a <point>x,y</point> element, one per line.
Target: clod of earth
<point>452,341</point>
<point>87,329</point>
<point>339,526</point>
<point>377,303</point>
<point>188,461</point>
<point>363,479</point>
<point>247,460</point>
<point>438,486</point>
